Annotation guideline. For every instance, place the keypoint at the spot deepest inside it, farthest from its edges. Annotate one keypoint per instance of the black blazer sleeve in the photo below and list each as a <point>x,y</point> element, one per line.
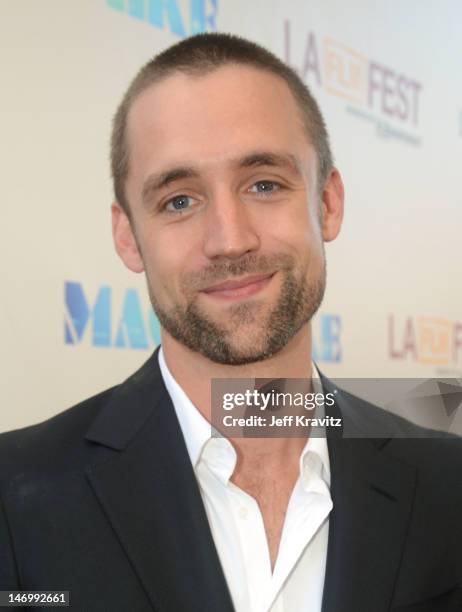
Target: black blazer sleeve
<point>8,573</point>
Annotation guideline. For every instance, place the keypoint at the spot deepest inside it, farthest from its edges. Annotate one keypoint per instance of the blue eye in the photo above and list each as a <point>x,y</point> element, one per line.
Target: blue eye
<point>178,203</point>
<point>264,187</point>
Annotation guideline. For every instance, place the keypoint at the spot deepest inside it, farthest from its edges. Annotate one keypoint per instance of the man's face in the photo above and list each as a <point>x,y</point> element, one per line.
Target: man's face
<point>225,212</point>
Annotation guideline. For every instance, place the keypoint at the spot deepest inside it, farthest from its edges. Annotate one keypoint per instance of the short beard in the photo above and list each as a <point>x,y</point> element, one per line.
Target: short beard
<point>297,303</point>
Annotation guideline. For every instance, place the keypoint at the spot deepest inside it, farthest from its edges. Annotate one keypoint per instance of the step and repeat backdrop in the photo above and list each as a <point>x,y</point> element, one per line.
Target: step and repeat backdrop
<point>388,77</point>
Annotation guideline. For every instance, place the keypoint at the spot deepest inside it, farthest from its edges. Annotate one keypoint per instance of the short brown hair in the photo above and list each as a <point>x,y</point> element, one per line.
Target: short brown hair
<point>197,56</point>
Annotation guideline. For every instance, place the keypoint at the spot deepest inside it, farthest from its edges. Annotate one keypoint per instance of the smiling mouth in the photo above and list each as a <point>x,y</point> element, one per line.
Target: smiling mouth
<point>243,287</point>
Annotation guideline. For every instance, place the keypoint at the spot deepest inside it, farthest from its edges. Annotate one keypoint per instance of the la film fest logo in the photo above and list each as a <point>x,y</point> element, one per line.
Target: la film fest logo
<point>374,91</point>
<point>272,408</point>
<point>427,340</point>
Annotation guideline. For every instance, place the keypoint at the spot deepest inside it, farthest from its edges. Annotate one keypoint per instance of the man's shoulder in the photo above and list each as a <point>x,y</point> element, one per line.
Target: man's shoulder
<point>431,451</point>
<point>61,442</point>
<point>434,452</point>
<point>56,443</point>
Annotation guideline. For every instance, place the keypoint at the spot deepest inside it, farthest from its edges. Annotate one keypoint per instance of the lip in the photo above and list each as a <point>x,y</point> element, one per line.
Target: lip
<point>239,288</point>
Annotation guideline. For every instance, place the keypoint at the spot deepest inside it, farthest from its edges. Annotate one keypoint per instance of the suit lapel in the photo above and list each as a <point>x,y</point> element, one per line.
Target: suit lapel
<point>150,496</point>
<point>372,494</point>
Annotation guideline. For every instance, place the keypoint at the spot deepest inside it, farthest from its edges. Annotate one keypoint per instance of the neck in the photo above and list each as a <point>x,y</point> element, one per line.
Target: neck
<point>194,373</point>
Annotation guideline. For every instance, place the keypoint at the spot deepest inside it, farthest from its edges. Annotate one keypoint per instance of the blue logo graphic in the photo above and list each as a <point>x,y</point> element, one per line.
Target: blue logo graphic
<point>166,13</point>
<point>133,329</point>
<point>132,324</point>
<point>326,342</point>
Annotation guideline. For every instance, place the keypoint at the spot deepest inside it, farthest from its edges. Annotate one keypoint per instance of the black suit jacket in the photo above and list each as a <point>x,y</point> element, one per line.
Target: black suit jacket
<point>102,501</point>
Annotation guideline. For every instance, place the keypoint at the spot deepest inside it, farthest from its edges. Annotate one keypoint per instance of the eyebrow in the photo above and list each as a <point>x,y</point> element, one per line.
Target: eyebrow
<point>155,182</point>
<point>158,181</point>
<point>264,158</point>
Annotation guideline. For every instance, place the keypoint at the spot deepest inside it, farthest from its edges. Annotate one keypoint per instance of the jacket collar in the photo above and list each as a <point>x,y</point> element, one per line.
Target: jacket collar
<point>372,493</point>
<point>129,407</point>
<point>149,494</point>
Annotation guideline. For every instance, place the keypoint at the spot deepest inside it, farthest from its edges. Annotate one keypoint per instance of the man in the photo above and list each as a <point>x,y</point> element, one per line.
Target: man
<point>225,194</point>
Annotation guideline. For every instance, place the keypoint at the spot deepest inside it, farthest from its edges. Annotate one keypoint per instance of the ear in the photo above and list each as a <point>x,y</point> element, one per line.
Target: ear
<point>332,206</point>
<point>124,239</point>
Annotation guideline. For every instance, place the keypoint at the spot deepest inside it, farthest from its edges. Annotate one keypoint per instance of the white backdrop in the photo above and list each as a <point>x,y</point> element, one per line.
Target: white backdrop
<point>388,77</point>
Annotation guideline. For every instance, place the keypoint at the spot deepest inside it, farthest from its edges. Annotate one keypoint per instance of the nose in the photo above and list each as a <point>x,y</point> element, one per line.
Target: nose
<point>230,230</point>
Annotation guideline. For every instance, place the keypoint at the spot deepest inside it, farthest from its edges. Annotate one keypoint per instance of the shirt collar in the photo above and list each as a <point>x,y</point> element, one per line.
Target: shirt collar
<point>196,429</point>
<point>197,432</point>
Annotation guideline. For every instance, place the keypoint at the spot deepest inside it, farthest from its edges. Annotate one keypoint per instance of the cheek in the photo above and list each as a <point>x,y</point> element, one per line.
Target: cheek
<point>301,236</point>
<point>306,245</point>
<point>296,222</point>
<point>168,253</point>
<point>160,266</point>
<point>166,267</point>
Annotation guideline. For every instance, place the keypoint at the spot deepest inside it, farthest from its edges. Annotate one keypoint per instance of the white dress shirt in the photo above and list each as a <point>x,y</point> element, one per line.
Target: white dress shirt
<point>297,583</point>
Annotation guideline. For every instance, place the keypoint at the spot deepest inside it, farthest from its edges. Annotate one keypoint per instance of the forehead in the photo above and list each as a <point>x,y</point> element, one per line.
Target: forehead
<point>213,117</point>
